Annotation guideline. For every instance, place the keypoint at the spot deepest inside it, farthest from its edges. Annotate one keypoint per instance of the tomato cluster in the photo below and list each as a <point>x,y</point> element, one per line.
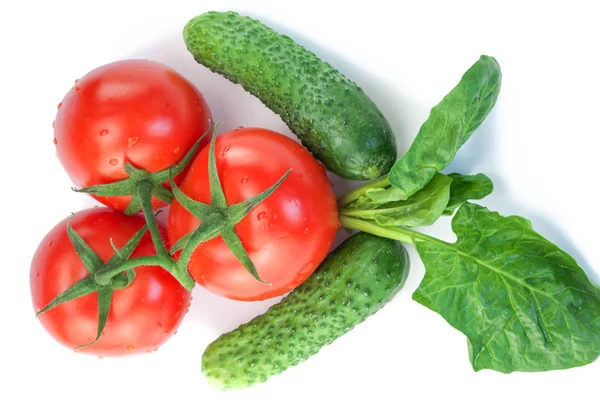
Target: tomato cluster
<point>252,216</point>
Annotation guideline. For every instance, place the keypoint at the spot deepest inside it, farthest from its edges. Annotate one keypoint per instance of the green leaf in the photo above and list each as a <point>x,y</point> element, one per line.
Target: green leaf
<point>467,187</point>
<point>208,229</point>
<point>198,209</point>
<point>234,243</point>
<point>162,193</point>
<point>523,303</point>
<point>164,175</point>
<point>239,210</point>
<point>180,243</point>
<point>119,188</point>
<point>421,209</point>
<point>89,258</point>
<point>81,288</point>
<point>127,250</point>
<point>217,196</point>
<point>450,124</point>
<point>104,301</point>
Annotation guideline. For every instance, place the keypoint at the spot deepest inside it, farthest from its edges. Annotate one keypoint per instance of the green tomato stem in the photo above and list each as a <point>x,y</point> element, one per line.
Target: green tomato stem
<point>104,275</point>
<point>144,190</point>
<point>361,190</point>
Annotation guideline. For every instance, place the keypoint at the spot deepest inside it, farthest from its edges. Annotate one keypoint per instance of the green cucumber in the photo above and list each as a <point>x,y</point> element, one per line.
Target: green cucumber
<point>353,282</point>
<point>331,115</point>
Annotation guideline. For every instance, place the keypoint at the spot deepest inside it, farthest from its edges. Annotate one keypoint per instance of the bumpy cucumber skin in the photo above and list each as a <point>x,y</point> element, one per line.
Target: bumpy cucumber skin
<point>331,115</point>
<point>353,282</point>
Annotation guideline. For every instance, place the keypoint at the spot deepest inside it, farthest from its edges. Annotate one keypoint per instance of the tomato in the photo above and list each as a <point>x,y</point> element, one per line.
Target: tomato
<point>133,110</point>
<point>287,236</point>
<point>142,316</point>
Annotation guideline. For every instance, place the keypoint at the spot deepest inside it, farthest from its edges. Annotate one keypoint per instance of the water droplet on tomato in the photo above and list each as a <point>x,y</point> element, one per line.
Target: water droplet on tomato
<point>59,105</point>
<point>104,132</point>
<point>176,150</point>
<point>299,176</point>
<point>130,347</point>
<point>261,215</point>
<point>55,141</point>
<point>225,150</point>
<point>245,179</point>
<point>304,219</point>
<point>113,161</point>
<point>132,141</point>
<point>306,230</point>
<point>50,243</point>
<point>37,274</point>
<point>77,88</point>
<point>159,324</point>
<point>109,99</point>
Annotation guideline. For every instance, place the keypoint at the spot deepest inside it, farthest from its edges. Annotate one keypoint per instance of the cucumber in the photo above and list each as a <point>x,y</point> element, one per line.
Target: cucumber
<point>330,114</point>
<point>352,283</point>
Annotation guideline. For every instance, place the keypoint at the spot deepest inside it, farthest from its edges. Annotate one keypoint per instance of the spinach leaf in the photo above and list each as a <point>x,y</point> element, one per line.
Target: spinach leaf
<point>467,187</point>
<point>523,303</point>
<point>450,124</point>
<point>421,209</point>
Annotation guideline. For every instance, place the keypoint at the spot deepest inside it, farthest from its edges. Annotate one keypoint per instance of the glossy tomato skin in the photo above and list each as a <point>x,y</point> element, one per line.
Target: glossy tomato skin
<point>142,316</point>
<point>287,236</point>
<point>139,111</point>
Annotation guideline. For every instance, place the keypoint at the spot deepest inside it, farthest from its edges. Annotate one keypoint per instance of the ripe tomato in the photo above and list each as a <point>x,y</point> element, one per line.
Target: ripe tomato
<point>133,110</point>
<point>142,316</point>
<point>287,236</point>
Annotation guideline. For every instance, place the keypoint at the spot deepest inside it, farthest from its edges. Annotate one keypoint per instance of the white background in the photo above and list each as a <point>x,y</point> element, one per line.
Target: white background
<point>540,146</point>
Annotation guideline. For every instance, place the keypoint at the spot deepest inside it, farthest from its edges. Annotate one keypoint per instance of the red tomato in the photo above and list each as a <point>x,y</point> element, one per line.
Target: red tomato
<point>142,316</point>
<point>287,236</point>
<point>134,110</point>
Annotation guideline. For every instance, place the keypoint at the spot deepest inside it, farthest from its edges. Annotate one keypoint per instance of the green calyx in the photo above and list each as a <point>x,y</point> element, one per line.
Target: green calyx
<point>218,219</point>
<point>156,180</point>
<point>88,284</point>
